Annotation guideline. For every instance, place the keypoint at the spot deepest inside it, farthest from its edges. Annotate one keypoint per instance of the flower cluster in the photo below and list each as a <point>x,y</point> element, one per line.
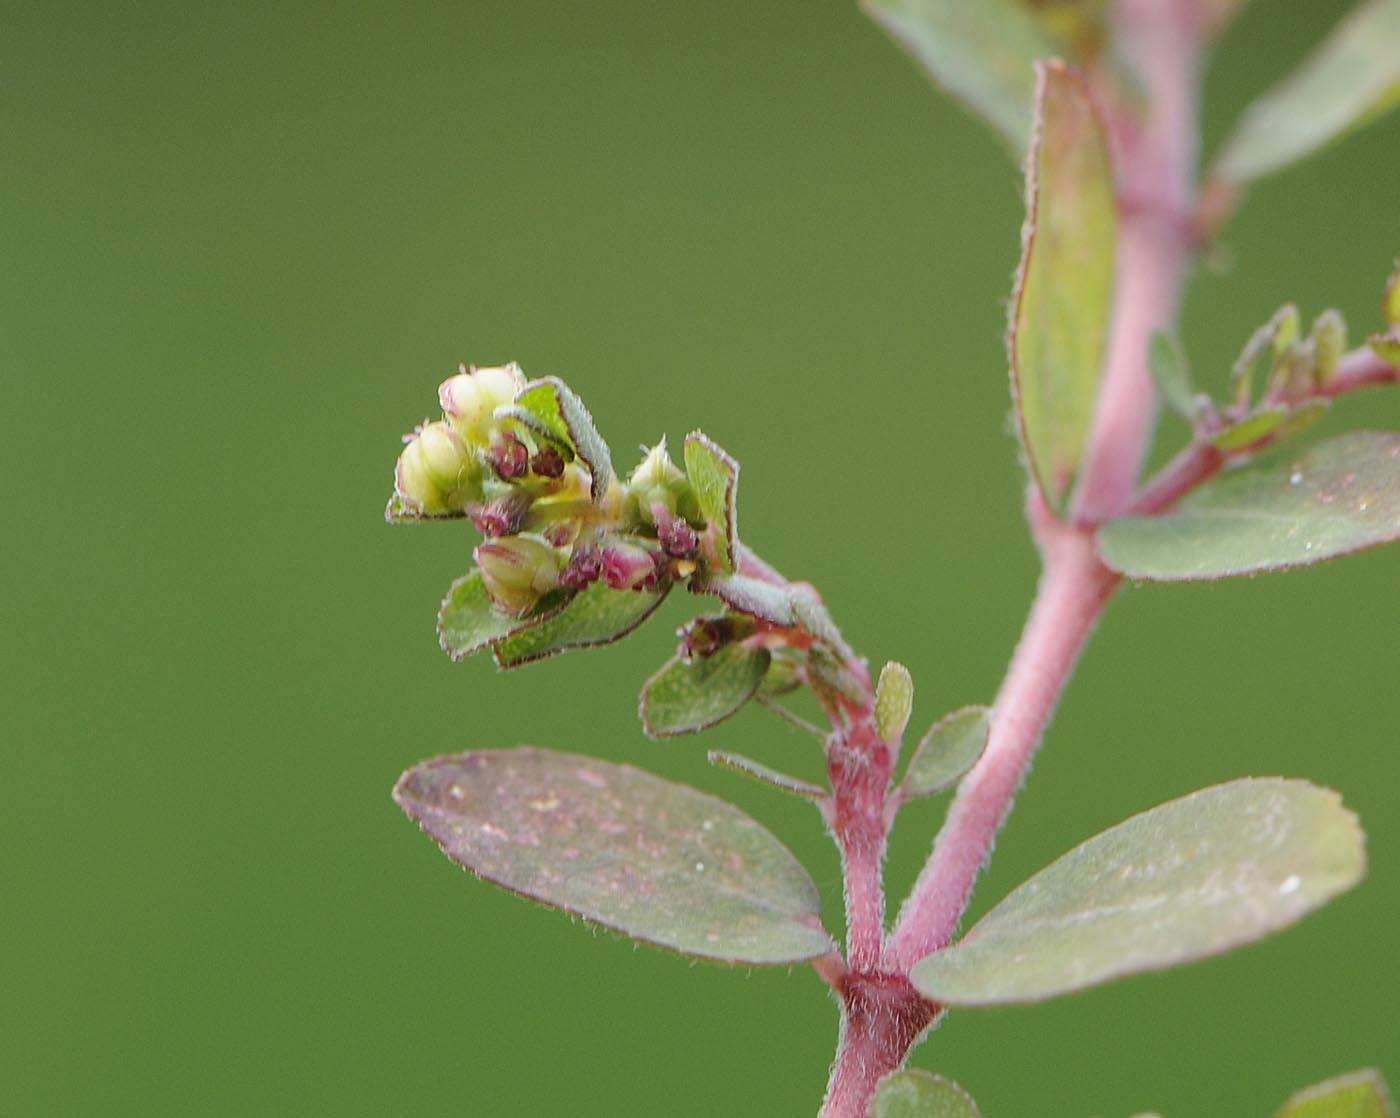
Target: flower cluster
<point>525,483</point>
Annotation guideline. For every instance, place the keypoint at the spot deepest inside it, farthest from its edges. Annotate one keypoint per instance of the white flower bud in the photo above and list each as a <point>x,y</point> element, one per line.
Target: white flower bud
<point>437,472</point>
<point>469,398</point>
<point>517,571</point>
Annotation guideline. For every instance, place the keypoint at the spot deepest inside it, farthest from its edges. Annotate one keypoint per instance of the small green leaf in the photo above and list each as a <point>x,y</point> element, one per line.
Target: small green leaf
<point>714,476</point>
<point>751,596</point>
<point>1390,305</point>
<point>1171,372</point>
<point>690,695</point>
<point>914,1093</point>
<point>468,620</point>
<point>1349,79</point>
<point>1250,429</point>
<point>982,53</point>
<point>1336,497</point>
<point>1359,1094</point>
<point>657,861</point>
<point>1063,297</point>
<point>894,699</point>
<point>828,676</point>
<point>951,747</point>
<point>754,770</point>
<point>1187,880</point>
<point>551,408</point>
<point>597,615</point>
<point>1302,417</point>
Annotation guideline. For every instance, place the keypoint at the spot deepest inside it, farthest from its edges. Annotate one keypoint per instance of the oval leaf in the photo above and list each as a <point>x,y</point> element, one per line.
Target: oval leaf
<point>1337,497</point>
<point>1360,1094</point>
<point>714,476</point>
<point>597,615</point>
<point>657,861</point>
<point>468,620</point>
<point>947,751</point>
<point>686,696</point>
<point>1189,879</point>
<point>1349,79</point>
<point>983,53</point>
<point>914,1093</point>
<point>1064,287</point>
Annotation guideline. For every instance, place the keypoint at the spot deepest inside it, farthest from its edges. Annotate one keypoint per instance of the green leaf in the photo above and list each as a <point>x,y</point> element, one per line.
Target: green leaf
<point>597,615</point>
<point>983,53</point>
<point>551,408</point>
<point>1334,498</point>
<point>894,699</point>
<point>1349,79</point>
<point>468,620</point>
<point>1171,372</point>
<point>1064,287</point>
<point>754,770</point>
<point>1390,305</point>
<point>1359,1094</point>
<point>714,476</point>
<point>1250,429</point>
<point>914,1093</point>
<point>657,861</point>
<point>951,747</point>
<point>690,695</point>
<point>1189,879</point>
<point>751,596</point>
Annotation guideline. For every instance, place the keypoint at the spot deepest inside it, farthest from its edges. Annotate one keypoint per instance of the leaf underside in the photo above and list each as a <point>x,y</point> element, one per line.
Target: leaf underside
<point>983,53</point>
<point>1349,79</point>
<point>915,1093</point>
<point>1063,297</point>
<point>657,861</point>
<point>1338,496</point>
<point>1189,879</point>
<point>752,596</point>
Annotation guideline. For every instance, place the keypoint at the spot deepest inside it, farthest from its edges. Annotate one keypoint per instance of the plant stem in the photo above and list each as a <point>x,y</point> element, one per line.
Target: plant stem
<point>1073,590</point>
<point>882,1017</point>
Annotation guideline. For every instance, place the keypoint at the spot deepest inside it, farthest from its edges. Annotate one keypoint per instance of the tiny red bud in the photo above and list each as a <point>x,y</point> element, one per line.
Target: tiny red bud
<point>510,458</point>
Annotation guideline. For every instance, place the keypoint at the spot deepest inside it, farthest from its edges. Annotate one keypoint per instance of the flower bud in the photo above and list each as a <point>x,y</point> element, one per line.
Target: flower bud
<point>517,571</point>
<point>585,567</point>
<point>677,538</point>
<point>656,481</point>
<point>628,566</point>
<point>469,398</point>
<point>510,458</point>
<point>437,471</point>
<point>1329,338</point>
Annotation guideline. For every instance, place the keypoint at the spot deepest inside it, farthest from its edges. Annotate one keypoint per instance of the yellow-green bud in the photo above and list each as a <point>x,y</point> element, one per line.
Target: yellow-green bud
<point>656,481</point>
<point>1329,338</point>
<point>1391,305</point>
<point>469,398</point>
<point>517,571</point>
<point>437,472</point>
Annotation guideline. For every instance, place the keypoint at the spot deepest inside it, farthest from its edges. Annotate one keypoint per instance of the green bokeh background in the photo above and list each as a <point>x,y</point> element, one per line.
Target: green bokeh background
<point>242,244</point>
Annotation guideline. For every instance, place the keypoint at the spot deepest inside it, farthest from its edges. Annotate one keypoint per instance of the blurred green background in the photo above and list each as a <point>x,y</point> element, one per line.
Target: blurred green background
<point>241,246</point>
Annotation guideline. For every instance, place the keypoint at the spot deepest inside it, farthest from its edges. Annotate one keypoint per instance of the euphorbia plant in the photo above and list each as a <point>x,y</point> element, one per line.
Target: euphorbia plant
<point>1102,101</point>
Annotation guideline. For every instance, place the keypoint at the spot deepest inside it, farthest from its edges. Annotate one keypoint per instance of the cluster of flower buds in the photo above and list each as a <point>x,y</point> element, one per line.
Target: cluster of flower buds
<point>532,499</point>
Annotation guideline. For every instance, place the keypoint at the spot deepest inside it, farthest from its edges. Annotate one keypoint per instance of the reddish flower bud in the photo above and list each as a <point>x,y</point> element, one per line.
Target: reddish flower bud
<point>548,462</point>
<point>677,538</point>
<point>510,458</point>
<point>585,567</point>
<point>627,566</point>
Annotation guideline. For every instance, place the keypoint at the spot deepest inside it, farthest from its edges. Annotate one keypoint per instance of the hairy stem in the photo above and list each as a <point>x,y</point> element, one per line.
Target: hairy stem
<point>882,1018</point>
<point>1073,590</point>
